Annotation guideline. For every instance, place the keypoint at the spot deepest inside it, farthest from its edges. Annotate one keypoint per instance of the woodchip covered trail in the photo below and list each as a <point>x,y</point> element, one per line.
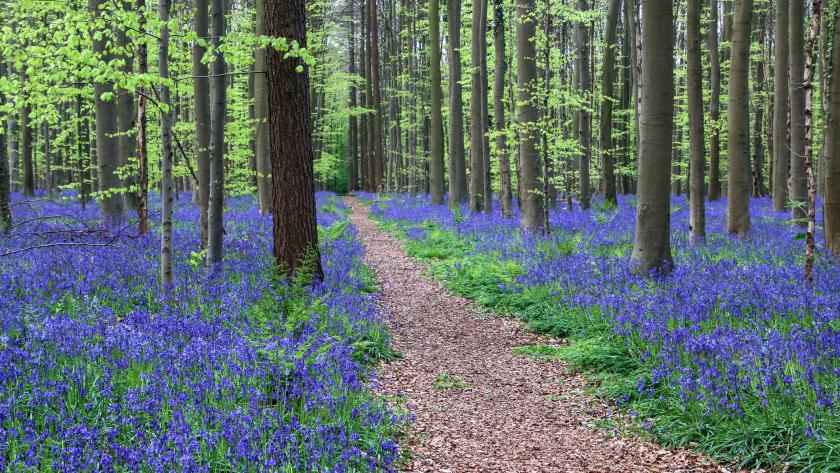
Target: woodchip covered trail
<point>519,415</point>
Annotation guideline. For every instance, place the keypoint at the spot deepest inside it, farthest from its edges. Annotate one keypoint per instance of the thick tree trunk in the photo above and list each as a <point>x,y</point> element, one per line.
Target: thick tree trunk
<point>353,133</point>
<point>218,93</point>
<point>126,114</point>
<point>584,115</point>
<point>477,174</point>
<point>781,71</point>
<point>798,189</point>
<point>201,89</point>
<point>457,158</point>
<point>652,242</point>
<point>714,103</point>
<point>529,117</point>
<point>261,117</point>
<point>831,210</point>
<point>607,79</point>
<point>167,184</point>
<point>738,126</point>
<point>436,178</point>
<point>107,153</point>
<point>499,109</point>
<point>696,130</point>
<point>295,227</point>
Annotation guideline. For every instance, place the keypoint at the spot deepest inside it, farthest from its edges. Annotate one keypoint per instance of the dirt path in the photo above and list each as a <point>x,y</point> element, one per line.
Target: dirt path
<point>517,414</point>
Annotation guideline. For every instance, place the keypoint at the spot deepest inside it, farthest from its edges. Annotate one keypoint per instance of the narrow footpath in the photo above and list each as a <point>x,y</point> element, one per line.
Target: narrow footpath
<point>479,407</point>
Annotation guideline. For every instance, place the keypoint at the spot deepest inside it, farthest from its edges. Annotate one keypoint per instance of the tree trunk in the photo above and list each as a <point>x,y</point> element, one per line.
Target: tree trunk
<point>5,176</point>
<point>758,119</point>
<point>477,174</point>
<point>607,79</point>
<point>436,126</point>
<point>352,143</point>
<point>652,242</point>
<point>808,85</point>
<point>295,229</point>
<point>457,158</point>
<point>738,126</point>
<point>201,89</point>
<point>126,141</point>
<point>798,189</point>
<point>378,154</point>
<point>696,130</point>
<point>261,117</point>
<point>584,115</point>
<point>166,184</point>
<point>529,117</point>
<point>107,153</point>
<point>831,199</point>
<point>218,93</point>
<point>499,109</point>
<point>485,113</point>
<point>142,127</point>
<point>714,103</point>
<point>781,71</point>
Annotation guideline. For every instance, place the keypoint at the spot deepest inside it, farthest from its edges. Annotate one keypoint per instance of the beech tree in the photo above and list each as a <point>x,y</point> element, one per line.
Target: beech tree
<point>436,167</point>
<point>529,117</point>
<point>457,157</point>
<point>738,136</point>
<point>832,166</point>
<point>201,112</point>
<point>781,150</point>
<point>697,134</point>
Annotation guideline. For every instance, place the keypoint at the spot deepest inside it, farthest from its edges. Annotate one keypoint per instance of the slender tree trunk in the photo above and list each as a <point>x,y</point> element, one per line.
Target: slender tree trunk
<point>831,199</point>
<point>364,156</point>
<point>201,89</point>
<point>371,122</point>
<point>436,126</point>
<point>584,115</point>
<point>477,174</point>
<point>529,116</point>
<point>499,109</point>
<point>167,185</point>
<point>5,176</point>
<point>295,228</point>
<point>378,156</point>
<point>352,143</point>
<point>696,130</point>
<point>607,79</point>
<point>652,243</point>
<point>218,95</point>
<point>485,113</point>
<point>261,117</point>
<point>738,125</point>
<point>808,84</point>
<point>758,119</point>
<point>798,187</point>
<point>457,157</point>
<point>142,127</point>
<point>126,141</point>
<point>781,71</point>
<point>107,153</point>
<point>714,103</point>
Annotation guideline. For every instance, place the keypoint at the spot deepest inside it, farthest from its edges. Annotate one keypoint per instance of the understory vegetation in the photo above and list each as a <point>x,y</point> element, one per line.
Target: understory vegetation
<point>238,370</point>
<point>730,354</point>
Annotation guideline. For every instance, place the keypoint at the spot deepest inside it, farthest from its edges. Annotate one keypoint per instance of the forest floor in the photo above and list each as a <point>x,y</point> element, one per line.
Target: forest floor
<point>478,406</point>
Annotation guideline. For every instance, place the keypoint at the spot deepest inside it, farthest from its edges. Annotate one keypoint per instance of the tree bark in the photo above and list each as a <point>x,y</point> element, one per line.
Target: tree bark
<point>798,189</point>
<point>167,185</point>
<point>738,126</point>
<point>529,117</point>
<point>142,128</point>
<point>457,157</point>
<point>831,200</point>
<point>696,130</point>
<point>261,117</point>
<point>607,98</point>
<point>436,178</point>
<point>353,133</point>
<point>485,113</point>
<point>218,93</point>
<point>714,103</point>
<point>378,154</point>
<point>505,192</point>
<point>584,115</point>
<point>781,71</point>
<point>477,174</point>
<point>5,176</point>
<point>201,90</point>
<point>758,118</point>
<point>652,242</point>
<point>295,229</point>
<point>808,85</point>
<point>126,141</point>
<point>107,153</point>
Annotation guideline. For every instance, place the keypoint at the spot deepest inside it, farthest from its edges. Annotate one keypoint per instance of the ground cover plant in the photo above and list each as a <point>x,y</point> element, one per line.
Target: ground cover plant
<point>239,370</point>
<point>731,353</point>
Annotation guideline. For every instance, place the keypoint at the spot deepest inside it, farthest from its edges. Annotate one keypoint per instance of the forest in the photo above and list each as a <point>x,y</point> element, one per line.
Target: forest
<point>419,236</point>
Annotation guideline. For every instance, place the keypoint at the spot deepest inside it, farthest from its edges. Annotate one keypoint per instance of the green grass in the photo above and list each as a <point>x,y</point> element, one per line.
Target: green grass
<point>446,381</point>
